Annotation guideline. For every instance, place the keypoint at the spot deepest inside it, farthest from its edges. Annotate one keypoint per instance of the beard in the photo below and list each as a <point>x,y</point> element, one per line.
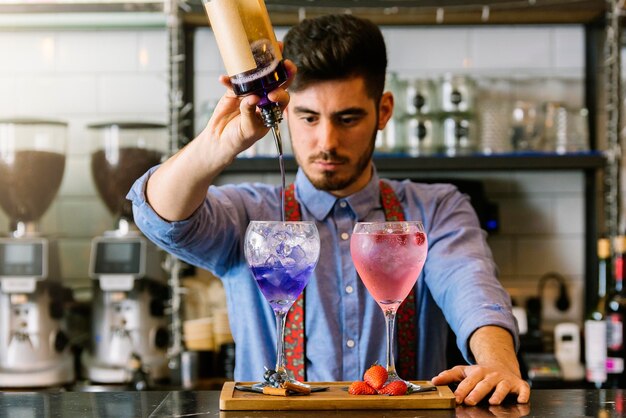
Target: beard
<point>332,181</point>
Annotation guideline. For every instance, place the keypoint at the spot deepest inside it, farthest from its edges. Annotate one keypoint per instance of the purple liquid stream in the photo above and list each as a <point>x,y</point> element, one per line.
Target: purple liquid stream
<point>281,163</point>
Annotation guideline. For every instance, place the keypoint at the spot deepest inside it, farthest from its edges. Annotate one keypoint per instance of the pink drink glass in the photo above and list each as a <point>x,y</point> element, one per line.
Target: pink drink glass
<point>389,257</point>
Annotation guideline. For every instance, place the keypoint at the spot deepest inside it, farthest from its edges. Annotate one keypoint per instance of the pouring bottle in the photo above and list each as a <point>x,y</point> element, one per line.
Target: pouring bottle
<point>247,43</point>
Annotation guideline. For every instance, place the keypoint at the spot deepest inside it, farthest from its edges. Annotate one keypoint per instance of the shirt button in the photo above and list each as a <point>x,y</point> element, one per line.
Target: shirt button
<point>345,236</point>
<point>349,289</point>
<point>343,204</point>
<point>350,343</point>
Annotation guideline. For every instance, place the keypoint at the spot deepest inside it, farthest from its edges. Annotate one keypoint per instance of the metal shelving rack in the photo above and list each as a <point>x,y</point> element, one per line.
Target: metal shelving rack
<point>589,162</point>
<point>178,110</point>
<point>613,103</point>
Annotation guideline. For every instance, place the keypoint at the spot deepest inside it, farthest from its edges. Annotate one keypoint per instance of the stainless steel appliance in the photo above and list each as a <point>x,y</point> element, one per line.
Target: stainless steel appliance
<point>459,134</point>
<point>129,326</point>
<point>34,347</point>
<point>423,135</point>
<point>421,97</point>
<point>457,93</point>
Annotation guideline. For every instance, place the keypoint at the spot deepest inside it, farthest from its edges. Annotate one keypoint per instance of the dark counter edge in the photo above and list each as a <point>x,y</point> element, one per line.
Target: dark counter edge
<point>397,163</point>
<point>166,404</point>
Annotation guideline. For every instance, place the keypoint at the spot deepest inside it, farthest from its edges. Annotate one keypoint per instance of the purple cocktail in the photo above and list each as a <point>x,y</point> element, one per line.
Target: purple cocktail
<point>281,257</point>
<point>281,286</point>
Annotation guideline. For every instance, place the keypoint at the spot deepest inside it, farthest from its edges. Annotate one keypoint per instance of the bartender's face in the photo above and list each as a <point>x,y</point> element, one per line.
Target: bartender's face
<point>333,127</point>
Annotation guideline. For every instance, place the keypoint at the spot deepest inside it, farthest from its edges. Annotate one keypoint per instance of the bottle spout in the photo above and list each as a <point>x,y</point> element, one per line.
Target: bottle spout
<point>272,115</point>
<point>270,112</point>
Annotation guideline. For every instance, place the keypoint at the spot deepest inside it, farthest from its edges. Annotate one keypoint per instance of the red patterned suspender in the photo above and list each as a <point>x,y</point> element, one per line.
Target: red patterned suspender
<point>294,328</point>
<point>406,321</point>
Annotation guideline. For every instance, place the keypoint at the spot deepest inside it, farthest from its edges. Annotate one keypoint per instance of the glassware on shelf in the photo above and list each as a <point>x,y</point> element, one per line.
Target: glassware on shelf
<point>494,125</point>
<point>525,126</point>
<point>493,115</point>
<point>564,129</point>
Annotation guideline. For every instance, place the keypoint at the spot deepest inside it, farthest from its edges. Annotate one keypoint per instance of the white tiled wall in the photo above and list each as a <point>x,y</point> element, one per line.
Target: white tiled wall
<point>89,76</point>
<point>81,77</point>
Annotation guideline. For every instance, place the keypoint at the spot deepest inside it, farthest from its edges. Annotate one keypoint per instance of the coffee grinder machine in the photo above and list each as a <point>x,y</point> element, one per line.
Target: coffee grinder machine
<point>34,348</point>
<point>129,325</point>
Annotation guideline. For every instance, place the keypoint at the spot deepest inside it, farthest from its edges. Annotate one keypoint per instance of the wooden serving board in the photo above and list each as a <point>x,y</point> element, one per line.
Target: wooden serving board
<point>336,397</point>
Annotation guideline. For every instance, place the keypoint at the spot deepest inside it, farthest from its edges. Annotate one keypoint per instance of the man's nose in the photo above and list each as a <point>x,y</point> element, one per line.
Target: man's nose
<point>328,136</point>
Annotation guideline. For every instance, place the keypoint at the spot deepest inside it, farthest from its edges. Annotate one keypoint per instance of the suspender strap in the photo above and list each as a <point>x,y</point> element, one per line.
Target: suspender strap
<point>406,321</point>
<point>295,346</point>
<point>294,328</point>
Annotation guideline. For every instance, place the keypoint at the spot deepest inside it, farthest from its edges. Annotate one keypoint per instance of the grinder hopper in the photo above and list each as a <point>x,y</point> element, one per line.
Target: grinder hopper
<point>123,152</point>
<point>32,161</point>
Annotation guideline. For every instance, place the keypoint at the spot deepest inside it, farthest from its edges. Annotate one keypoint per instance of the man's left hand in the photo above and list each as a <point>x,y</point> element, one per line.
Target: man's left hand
<point>476,382</point>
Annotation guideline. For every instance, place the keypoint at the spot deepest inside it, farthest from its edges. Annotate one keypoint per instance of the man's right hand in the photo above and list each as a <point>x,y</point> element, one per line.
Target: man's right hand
<point>236,122</point>
<point>179,186</point>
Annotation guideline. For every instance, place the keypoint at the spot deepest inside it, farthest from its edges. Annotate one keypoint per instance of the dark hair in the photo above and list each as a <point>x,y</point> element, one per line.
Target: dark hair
<point>335,47</point>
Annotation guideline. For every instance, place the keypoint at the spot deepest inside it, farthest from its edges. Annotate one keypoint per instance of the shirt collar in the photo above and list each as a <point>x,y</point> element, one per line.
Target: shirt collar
<point>319,202</point>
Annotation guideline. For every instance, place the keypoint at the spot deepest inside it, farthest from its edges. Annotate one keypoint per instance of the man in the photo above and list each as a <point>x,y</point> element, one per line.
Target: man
<point>336,104</point>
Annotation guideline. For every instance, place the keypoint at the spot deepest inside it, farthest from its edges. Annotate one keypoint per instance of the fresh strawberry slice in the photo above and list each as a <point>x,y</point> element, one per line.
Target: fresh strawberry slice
<point>403,239</point>
<point>395,388</point>
<point>383,239</point>
<point>361,388</point>
<point>420,238</point>
<point>376,376</point>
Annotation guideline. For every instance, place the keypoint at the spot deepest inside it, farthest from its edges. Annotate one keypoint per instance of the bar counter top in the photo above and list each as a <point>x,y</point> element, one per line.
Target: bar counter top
<point>568,403</point>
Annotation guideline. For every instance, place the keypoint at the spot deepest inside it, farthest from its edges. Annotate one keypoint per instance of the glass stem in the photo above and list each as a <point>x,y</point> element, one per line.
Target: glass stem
<point>281,318</point>
<point>390,320</point>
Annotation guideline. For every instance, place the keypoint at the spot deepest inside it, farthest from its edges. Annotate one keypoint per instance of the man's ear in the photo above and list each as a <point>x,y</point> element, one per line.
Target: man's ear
<point>385,110</point>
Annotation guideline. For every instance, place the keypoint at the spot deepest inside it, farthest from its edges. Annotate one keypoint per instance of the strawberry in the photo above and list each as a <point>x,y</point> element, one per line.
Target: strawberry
<point>420,238</point>
<point>395,388</point>
<point>382,239</point>
<point>376,376</point>
<point>403,239</point>
<point>361,388</point>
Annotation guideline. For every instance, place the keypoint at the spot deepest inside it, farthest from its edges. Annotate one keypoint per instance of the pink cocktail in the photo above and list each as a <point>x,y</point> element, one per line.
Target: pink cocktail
<point>389,257</point>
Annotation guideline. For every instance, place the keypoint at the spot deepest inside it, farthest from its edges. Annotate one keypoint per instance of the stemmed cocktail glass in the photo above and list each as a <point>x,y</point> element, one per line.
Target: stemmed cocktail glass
<point>281,256</point>
<point>389,257</point>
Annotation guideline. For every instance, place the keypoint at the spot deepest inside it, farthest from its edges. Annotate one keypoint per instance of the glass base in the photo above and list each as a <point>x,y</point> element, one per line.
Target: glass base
<point>277,378</point>
<point>411,387</point>
<point>260,385</point>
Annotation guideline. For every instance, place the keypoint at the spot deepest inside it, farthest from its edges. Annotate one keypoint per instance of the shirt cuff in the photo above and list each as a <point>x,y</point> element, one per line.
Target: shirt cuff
<point>495,315</point>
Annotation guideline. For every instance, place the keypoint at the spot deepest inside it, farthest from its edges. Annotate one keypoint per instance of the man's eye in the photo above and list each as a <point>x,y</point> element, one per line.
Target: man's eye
<point>310,119</point>
<point>348,120</point>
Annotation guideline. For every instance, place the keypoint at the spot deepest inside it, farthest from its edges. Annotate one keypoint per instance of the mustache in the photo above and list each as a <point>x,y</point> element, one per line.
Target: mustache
<point>329,157</point>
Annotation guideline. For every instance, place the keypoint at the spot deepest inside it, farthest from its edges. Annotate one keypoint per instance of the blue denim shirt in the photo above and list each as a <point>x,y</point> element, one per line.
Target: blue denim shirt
<point>345,328</point>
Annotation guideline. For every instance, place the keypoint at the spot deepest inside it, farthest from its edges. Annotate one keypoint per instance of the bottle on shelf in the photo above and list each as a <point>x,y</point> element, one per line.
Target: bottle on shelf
<point>616,320</point>
<point>595,323</point>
